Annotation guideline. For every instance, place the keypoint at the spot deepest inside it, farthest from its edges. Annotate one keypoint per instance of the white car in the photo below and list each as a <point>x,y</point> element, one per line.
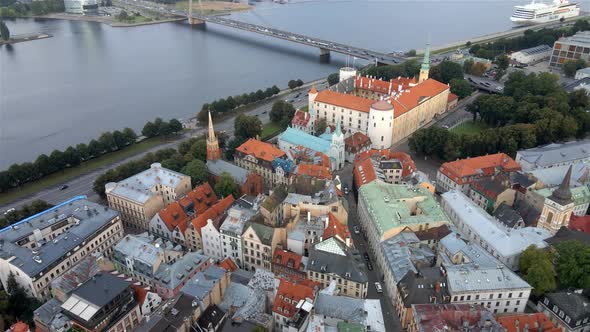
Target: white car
<point>9,211</point>
<point>378,287</point>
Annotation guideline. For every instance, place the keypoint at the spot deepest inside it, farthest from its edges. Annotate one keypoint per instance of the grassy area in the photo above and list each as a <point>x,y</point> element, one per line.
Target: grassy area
<point>469,127</point>
<point>86,167</point>
<point>213,7</point>
<point>269,130</point>
<point>135,19</point>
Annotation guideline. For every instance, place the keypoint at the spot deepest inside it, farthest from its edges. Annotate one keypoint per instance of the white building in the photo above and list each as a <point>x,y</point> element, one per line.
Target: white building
<point>212,244</point>
<point>532,55</point>
<point>582,73</point>
<point>81,7</point>
<point>40,248</point>
<point>555,154</point>
<point>329,310</point>
<point>231,231</point>
<point>476,225</point>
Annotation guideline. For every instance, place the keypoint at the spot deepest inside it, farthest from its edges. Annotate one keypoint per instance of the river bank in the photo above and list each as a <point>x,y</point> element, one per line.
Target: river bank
<point>108,20</point>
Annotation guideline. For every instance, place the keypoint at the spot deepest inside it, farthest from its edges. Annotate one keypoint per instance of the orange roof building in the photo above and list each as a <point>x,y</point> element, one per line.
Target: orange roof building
<point>288,296</point>
<point>19,327</point>
<point>458,175</point>
<point>314,171</point>
<point>289,265</point>
<point>536,322</point>
<point>228,264</point>
<point>257,157</point>
<point>355,144</point>
<point>393,166</point>
<point>171,222</point>
<point>384,111</point>
<point>215,212</point>
<point>334,228</point>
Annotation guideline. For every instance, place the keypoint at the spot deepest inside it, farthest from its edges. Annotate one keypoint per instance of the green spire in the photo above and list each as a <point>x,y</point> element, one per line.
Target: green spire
<point>338,129</point>
<point>426,60</point>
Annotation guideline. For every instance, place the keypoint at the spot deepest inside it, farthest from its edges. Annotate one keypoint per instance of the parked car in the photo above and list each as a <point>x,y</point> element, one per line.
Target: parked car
<point>9,211</point>
<point>378,287</point>
<point>369,266</point>
<point>366,256</point>
<point>357,230</point>
<point>64,187</point>
<point>345,190</point>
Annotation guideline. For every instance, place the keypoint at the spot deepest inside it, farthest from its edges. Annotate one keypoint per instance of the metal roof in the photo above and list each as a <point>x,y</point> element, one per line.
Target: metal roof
<point>470,278</point>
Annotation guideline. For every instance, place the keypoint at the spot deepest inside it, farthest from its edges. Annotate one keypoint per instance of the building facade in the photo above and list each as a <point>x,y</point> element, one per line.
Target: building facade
<point>40,248</point>
<point>569,310</point>
<point>570,49</point>
<point>139,197</point>
<point>559,207</point>
<point>257,156</point>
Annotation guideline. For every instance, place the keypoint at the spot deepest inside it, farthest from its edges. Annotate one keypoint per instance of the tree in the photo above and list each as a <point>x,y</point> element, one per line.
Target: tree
<point>120,140</point>
<point>57,160</point>
<point>107,141</point>
<point>468,65</point>
<point>502,61</point>
<point>461,88</point>
<point>123,16</point>
<point>197,170</point>
<point>164,129</point>
<point>247,126</point>
<point>448,70</point>
<point>226,186</point>
<point>43,165</point>
<point>176,162</point>
<point>411,53</point>
<point>537,270</point>
<point>176,126</point>
<point>299,82</point>
<point>281,110</point>
<point>150,130</point>
<point>95,149</point>
<point>83,151</point>
<point>320,126</point>
<point>571,66</point>
<point>130,136</point>
<point>572,264</point>
<point>20,304</point>
<point>199,149</point>
<point>185,146</point>
<point>333,78</point>
<point>4,31</point>
<point>292,84</point>
<point>72,157</point>
<point>275,89</point>
<point>478,69</point>
<point>231,147</point>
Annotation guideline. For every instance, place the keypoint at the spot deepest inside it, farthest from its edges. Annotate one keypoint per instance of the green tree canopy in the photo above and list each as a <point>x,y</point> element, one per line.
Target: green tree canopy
<point>537,270</point>
<point>232,145</point>
<point>571,66</point>
<point>197,170</point>
<point>320,126</point>
<point>226,186</point>
<point>461,88</point>
<point>4,31</point>
<point>199,149</point>
<point>572,264</point>
<point>247,126</point>
<point>282,112</point>
<point>446,71</point>
<point>333,78</point>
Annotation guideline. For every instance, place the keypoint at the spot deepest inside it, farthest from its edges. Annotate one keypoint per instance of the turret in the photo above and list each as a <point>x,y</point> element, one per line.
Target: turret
<point>425,67</point>
<point>380,129</point>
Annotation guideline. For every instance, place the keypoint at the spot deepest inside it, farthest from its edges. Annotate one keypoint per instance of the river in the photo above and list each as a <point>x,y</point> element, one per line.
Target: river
<point>90,77</point>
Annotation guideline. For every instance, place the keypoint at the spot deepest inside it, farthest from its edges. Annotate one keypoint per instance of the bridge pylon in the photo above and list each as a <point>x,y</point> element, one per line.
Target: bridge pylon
<point>191,19</point>
<point>324,53</point>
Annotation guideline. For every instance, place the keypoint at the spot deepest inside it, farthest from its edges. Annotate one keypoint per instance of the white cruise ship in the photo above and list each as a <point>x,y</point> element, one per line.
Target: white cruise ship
<point>535,13</point>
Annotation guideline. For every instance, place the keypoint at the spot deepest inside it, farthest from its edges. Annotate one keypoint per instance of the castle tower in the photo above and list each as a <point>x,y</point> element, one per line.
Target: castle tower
<point>337,147</point>
<point>425,68</point>
<point>213,152</point>
<point>558,208</point>
<point>380,129</point>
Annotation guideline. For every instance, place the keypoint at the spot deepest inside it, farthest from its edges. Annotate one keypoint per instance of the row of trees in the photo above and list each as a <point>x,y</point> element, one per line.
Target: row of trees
<point>46,7</point>
<point>4,31</point>
<point>228,104</point>
<point>409,68</point>
<point>28,210</point>
<point>534,110</point>
<point>566,268</point>
<point>161,128</point>
<point>292,84</point>
<point>14,9</point>
<point>531,38</point>
<point>18,174</point>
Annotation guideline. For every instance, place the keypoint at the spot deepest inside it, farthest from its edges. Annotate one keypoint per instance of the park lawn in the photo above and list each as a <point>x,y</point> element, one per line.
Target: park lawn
<point>270,129</point>
<point>213,7</point>
<point>86,167</point>
<point>469,127</point>
<point>135,19</point>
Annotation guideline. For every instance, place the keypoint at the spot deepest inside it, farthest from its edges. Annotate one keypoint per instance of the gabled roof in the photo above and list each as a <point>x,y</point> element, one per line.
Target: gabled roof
<point>264,233</point>
<point>201,198</point>
<point>344,100</point>
<point>433,233</point>
<point>580,223</point>
<point>478,166</point>
<point>356,142</point>
<point>454,318</point>
<point>335,228</point>
<point>301,118</point>
<point>315,171</point>
<point>213,213</point>
<point>288,296</point>
<point>416,95</point>
<point>536,322</point>
<point>260,150</point>
<point>574,305</point>
<point>174,216</point>
<point>228,264</point>
<point>489,187</point>
<point>289,259</point>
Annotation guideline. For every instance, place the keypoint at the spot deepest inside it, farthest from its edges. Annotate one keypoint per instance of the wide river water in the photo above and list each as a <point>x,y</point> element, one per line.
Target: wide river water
<point>91,78</point>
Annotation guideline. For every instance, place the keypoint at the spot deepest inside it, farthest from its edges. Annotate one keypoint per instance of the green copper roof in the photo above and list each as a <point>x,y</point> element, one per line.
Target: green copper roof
<point>580,195</point>
<point>426,60</point>
<point>392,205</point>
<point>350,327</point>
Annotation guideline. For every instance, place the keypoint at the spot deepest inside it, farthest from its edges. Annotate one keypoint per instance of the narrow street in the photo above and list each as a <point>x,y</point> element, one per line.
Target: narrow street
<point>389,316</point>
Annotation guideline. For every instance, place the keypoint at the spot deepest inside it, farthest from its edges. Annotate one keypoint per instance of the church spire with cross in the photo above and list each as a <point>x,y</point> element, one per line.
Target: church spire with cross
<point>213,152</point>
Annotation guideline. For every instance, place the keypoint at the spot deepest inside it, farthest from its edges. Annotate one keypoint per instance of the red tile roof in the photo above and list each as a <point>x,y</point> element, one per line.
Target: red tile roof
<point>536,322</point>
<point>315,171</point>
<point>451,317</point>
<point>198,200</point>
<point>336,229</point>
<point>344,100</point>
<point>364,172</point>
<point>228,264</point>
<point>364,160</point>
<point>19,327</point>
<point>484,166</point>
<point>288,295</point>
<point>357,142</point>
<point>452,97</point>
<point>580,223</point>
<point>140,293</point>
<point>301,118</point>
<point>213,213</point>
<point>202,197</point>
<point>384,87</point>
<point>287,258</point>
<point>313,89</point>
<point>260,150</point>
<point>416,95</point>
